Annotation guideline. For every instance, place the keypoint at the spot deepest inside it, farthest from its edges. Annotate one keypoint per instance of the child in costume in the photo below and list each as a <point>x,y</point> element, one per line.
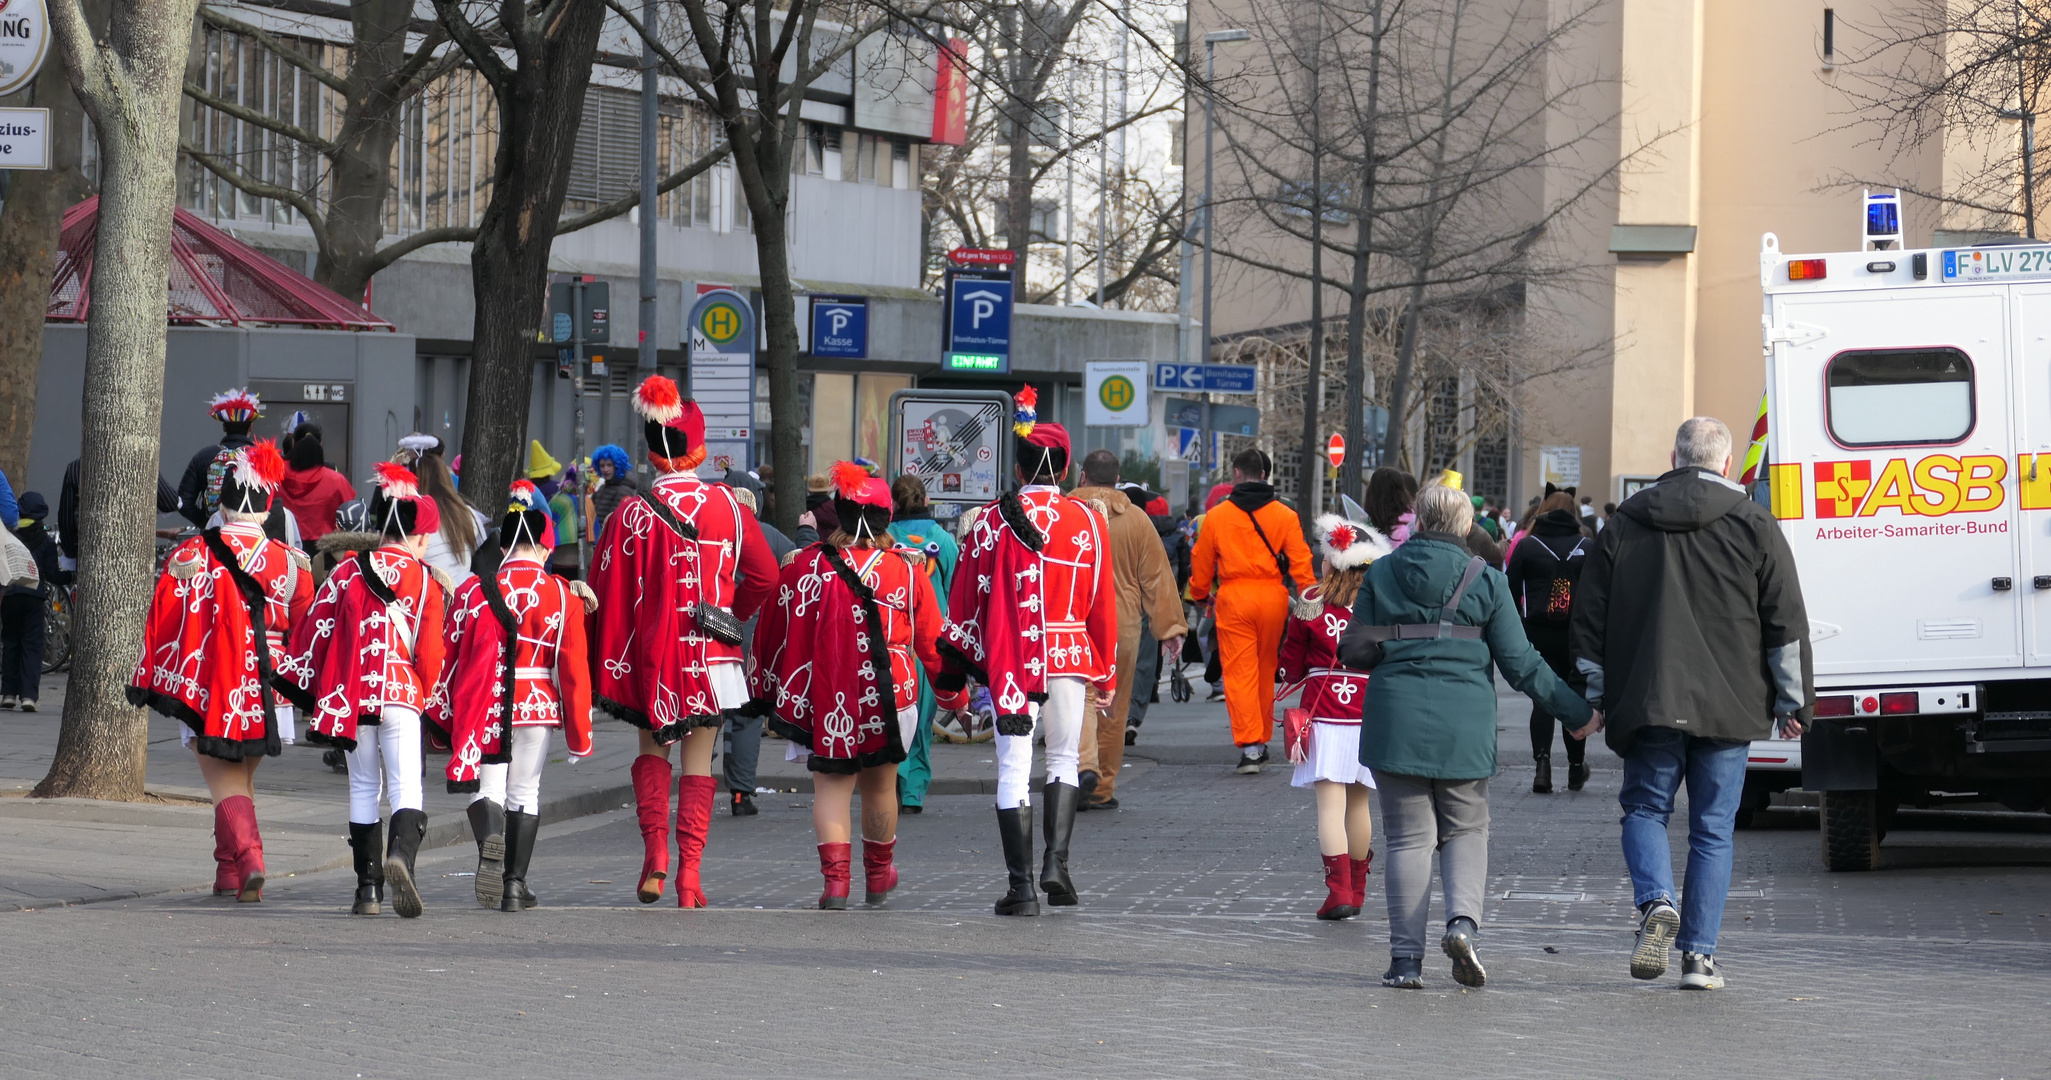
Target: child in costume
<point>217,626</point>
<point>840,605</point>
<point>361,666</point>
<point>680,568</point>
<point>517,669</point>
<point>1332,695</point>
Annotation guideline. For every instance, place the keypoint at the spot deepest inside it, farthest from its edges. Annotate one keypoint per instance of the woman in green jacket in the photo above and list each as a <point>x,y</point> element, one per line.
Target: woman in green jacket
<point>1428,724</point>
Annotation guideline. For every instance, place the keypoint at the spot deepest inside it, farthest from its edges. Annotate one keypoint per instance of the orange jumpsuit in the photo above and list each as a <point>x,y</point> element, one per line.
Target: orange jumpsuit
<point>1252,606</point>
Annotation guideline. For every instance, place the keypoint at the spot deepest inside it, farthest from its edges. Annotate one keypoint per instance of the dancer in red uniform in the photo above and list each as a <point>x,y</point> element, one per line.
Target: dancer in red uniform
<point>1332,694</point>
<point>1034,617</point>
<point>222,609</point>
<point>517,670</point>
<point>839,604</point>
<point>361,665</point>
<point>677,572</point>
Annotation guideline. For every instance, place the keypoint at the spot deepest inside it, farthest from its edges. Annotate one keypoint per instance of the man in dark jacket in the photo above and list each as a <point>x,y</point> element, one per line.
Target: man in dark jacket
<point>199,490</point>
<point>1688,623</point>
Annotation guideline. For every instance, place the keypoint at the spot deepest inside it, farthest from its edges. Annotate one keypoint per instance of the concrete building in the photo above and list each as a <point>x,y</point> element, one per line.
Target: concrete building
<point>1706,125</point>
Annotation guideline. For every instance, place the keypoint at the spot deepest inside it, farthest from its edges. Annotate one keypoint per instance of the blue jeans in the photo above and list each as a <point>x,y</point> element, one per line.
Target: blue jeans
<point>1659,760</point>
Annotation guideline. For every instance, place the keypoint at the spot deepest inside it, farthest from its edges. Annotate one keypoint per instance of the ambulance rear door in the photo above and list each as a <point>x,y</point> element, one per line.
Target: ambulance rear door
<point>2032,407</point>
<point>1891,475</point>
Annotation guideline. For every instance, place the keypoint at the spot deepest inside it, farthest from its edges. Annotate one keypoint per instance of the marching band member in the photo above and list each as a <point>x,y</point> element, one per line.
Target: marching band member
<point>517,670</point>
<point>217,625</point>
<point>1332,697</point>
<point>361,666</point>
<point>678,571</point>
<point>1034,617</point>
<point>840,604</point>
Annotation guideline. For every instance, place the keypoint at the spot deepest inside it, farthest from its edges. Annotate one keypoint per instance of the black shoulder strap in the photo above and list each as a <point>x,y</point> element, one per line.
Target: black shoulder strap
<point>1475,566</point>
<point>1281,557</point>
<point>879,644</point>
<point>495,599</point>
<point>253,599</point>
<point>373,581</point>
<point>660,508</point>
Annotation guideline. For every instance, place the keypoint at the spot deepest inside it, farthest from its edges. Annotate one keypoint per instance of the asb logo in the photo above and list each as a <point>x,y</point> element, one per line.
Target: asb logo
<point>1933,487</point>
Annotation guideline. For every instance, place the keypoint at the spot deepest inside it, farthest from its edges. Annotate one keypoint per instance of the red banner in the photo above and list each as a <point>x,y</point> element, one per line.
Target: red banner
<point>950,95</point>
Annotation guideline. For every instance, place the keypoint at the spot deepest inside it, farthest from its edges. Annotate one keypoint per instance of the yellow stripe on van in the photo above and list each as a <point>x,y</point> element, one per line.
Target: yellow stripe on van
<point>1786,483</point>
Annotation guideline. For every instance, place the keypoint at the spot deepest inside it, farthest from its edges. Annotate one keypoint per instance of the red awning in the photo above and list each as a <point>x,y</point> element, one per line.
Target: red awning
<point>216,280</point>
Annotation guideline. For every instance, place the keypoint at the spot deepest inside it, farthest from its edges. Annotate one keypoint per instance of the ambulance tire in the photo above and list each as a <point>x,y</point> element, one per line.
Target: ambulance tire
<point>1851,830</point>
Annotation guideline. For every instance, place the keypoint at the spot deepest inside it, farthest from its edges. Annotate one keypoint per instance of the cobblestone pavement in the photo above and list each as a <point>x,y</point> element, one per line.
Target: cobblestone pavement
<point>1194,953</point>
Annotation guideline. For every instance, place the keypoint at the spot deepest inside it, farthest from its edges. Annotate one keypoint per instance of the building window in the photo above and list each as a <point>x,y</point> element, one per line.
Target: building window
<point>866,150</point>
<point>901,163</point>
<point>1899,397</point>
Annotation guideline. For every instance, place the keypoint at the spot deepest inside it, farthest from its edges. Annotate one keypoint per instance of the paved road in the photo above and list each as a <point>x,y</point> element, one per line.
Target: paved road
<point>1194,954</point>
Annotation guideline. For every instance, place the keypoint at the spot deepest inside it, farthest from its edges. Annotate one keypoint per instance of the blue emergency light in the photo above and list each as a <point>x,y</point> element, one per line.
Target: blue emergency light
<point>1883,217</point>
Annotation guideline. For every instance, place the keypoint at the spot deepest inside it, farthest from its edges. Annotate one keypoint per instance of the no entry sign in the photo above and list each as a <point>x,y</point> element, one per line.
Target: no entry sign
<point>1335,450</point>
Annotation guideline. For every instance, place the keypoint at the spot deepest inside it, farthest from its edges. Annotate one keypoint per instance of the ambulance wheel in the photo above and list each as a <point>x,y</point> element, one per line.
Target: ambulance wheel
<point>1851,829</point>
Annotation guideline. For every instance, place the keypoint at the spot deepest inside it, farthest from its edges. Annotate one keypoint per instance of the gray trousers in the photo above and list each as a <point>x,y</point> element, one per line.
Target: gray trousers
<point>1420,814</point>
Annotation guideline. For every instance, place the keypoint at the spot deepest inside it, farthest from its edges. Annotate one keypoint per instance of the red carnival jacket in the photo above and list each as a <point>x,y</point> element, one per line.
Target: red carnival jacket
<point>1310,659</point>
<point>372,639</point>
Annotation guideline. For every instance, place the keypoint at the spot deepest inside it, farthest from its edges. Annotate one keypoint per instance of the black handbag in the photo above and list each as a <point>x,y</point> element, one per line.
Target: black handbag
<point>718,623</point>
<point>1361,646</point>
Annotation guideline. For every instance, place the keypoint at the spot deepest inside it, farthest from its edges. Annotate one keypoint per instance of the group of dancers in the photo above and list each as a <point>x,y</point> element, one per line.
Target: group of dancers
<point>387,654</point>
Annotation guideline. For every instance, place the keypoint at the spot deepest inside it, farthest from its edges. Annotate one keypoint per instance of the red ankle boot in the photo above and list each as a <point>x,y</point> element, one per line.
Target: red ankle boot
<point>877,867</point>
<point>833,866</point>
<point>694,817</point>
<point>227,879</point>
<point>240,813</point>
<point>651,803</point>
<point>1360,881</point>
<point>1339,889</point>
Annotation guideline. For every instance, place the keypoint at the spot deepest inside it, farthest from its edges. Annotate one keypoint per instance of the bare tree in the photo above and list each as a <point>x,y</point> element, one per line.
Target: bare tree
<point>128,74</point>
<point>1944,73</point>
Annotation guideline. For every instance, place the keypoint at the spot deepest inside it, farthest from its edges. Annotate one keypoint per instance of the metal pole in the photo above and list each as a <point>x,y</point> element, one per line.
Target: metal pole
<point>1068,233</point>
<point>577,442</point>
<point>649,340</point>
<point>1203,435</point>
<point>1103,187</point>
<point>2030,175</point>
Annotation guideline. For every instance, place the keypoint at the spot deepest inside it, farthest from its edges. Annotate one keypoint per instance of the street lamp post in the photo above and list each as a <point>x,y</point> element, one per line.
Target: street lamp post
<point>1211,42</point>
<point>2029,120</point>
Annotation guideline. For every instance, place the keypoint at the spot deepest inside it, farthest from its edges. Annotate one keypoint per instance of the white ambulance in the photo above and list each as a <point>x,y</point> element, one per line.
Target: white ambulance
<point>1908,459</point>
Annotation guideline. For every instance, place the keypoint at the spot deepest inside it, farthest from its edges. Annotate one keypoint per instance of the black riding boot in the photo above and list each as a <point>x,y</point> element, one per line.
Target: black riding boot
<point>368,844</point>
<point>1541,781</point>
<point>1015,826</point>
<point>488,826</point>
<point>409,827</point>
<point>1060,823</point>
<point>520,829</point>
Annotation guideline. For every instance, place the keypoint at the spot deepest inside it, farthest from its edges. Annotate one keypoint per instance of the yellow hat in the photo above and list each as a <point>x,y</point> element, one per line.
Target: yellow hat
<point>1449,478</point>
<point>539,465</point>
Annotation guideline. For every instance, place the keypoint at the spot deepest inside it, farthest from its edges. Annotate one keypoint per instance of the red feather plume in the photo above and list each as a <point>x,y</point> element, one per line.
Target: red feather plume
<point>261,466</point>
<point>397,481</point>
<point>658,400</point>
<point>849,478</point>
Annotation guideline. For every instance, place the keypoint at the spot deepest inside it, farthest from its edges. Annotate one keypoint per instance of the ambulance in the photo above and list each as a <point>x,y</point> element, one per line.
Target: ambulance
<point>1907,456</point>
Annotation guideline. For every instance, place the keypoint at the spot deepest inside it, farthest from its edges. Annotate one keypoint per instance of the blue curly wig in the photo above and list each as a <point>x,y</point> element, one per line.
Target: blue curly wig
<point>621,466</point>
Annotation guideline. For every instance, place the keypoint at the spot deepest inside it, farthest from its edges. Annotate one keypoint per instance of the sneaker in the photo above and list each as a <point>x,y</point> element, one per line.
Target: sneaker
<point>1132,736</point>
<point>1217,694</point>
<point>28,704</point>
<point>1459,946</point>
<point>1251,759</point>
<point>1405,973</point>
<point>1655,937</point>
<point>9,701</point>
<point>744,804</point>
<point>1698,972</point>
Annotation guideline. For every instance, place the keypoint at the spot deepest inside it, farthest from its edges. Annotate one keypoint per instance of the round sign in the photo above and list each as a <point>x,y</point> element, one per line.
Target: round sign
<point>720,322</point>
<point>1335,450</point>
<point>24,40</point>
<point>1117,393</point>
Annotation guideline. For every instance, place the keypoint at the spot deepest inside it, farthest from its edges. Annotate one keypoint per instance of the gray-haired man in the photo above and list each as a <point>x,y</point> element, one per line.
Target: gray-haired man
<point>1688,622</point>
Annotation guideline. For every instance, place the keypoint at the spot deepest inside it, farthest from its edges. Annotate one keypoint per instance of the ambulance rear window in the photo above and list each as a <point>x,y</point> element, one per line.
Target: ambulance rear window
<point>1898,397</point>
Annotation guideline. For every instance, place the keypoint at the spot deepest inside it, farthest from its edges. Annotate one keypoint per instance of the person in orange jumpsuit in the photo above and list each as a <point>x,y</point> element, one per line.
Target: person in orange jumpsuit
<point>1249,543</point>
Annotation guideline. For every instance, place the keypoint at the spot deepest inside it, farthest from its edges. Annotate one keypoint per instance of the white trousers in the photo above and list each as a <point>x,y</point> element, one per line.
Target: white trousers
<point>386,762</point>
<point>516,784</point>
<point>1060,718</point>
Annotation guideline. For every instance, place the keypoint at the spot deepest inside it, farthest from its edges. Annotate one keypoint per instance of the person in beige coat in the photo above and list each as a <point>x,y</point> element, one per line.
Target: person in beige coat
<point>1145,582</point>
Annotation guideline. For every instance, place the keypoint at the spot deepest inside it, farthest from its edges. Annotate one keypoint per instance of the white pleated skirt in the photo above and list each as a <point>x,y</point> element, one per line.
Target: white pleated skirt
<point>1334,755</point>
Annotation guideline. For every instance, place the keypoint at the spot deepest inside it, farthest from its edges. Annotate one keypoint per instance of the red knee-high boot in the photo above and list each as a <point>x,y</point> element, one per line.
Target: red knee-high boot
<point>877,866</point>
<point>694,817</point>
<point>241,815</point>
<point>833,866</point>
<point>1360,867</point>
<point>227,878</point>
<point>1339,888</point>
<point>651,803</point>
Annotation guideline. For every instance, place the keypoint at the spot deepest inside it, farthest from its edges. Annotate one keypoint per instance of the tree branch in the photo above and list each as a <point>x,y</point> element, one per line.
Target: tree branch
<point>248,185</point>
<point>277,47</point>
<point>251,116</point>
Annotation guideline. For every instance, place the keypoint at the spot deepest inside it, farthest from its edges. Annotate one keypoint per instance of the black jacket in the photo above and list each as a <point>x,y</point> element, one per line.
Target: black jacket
<point>1547,555</point>
<point>67,508</point>
<point>1689,615</point>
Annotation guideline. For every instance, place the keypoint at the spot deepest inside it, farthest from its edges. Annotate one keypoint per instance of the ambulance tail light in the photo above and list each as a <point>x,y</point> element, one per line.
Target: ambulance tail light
<point>1834,705</point>
<point>1906,703</point>
<point>1808,269</point>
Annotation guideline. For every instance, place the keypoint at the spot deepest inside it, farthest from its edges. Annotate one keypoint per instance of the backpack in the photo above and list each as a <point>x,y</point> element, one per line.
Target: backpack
<point>1556,599</point>
<point>217,470</point>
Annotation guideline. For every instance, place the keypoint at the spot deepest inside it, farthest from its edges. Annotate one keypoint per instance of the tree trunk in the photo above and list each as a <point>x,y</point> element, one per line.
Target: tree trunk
<point>130,81</point>
<point>539,114</point>
<point>1350,479</point>
<point>1399,387</point>
<point>363,147</point>
<point>780,323</point>
<point>36,201</point>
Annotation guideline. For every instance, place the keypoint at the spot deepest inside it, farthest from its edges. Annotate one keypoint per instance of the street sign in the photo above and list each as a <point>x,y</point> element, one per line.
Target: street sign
<point>1243,420</point>
<point>968,256</point>
<point>563,326</point>
<point>1214,378</point>
<point>840,326</point>
<point>1335,450</point>
<point>24,137</point>
<point>24,43</point>
<point>723,376</point>
<point>563,303</point>
<point>957,441</point>
<point>1115,393</point>
<point>978,321</point>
